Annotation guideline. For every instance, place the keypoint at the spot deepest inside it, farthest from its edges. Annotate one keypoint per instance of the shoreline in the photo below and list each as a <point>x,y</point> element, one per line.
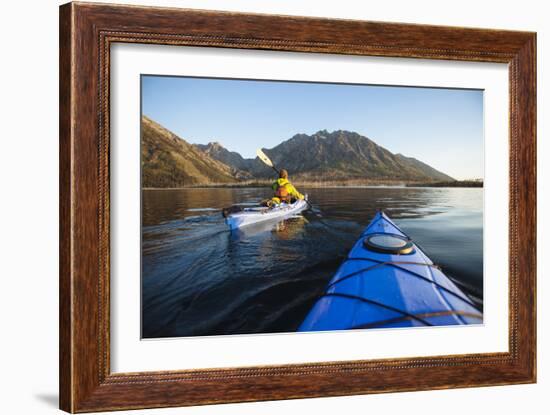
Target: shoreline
<point>323,186</point>
<point>458,183</point>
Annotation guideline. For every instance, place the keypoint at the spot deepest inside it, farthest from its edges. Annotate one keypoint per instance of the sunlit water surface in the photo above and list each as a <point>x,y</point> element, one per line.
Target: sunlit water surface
<point>200,279</point>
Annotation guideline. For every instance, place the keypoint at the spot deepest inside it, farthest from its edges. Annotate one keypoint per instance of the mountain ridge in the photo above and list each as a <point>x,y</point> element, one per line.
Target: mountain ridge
<point>169,161</point>
<point>233,159</point>
<point>339,155</point>
<point>332,157</point>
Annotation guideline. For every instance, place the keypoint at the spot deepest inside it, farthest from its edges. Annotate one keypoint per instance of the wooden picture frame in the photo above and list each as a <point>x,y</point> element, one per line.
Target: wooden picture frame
<point>86,33</point>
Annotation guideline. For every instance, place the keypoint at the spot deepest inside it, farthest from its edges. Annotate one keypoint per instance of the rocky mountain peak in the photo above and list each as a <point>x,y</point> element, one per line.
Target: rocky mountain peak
<point>340,156</point>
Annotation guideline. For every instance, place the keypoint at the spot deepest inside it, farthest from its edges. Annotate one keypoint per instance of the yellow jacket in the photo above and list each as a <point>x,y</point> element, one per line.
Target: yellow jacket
<point>289,188</point>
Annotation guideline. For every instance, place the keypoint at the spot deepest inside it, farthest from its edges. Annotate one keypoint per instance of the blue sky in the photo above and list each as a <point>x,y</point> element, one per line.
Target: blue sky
<point>441,127</point>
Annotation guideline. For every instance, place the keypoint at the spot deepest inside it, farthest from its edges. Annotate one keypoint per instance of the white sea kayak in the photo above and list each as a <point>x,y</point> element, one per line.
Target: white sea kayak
<point>252,215</point>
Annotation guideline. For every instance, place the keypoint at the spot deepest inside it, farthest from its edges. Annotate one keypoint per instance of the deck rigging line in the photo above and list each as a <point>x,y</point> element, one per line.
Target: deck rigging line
<point>376,303</point>
<point>396,264</point>
<point>375,324</point>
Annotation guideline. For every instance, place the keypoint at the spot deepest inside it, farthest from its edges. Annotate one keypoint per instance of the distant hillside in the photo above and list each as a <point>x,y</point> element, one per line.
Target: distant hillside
<point>233,159</point>
<point>423,168</point>
<point>337,156</point>
<point>169,161</point>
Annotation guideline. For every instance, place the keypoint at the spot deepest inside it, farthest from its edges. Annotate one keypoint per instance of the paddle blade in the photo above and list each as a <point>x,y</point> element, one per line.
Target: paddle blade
<point>264,157</point>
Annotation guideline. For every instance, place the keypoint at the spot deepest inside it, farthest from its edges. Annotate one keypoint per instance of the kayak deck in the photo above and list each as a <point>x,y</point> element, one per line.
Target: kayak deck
<point>375,288</point>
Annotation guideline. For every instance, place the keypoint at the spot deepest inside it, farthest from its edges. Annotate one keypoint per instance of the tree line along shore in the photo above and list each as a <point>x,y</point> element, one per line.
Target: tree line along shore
<point>455,183</point>
<point>320,184</point>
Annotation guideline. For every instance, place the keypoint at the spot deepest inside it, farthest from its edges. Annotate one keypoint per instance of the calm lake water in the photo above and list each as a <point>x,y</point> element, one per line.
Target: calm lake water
<point>200,279</point>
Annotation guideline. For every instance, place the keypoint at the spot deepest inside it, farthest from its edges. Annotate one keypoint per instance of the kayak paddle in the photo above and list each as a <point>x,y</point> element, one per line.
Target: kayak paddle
<point>262,156</point>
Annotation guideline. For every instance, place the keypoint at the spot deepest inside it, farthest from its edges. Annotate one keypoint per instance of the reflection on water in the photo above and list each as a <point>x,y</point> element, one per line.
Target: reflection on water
<point>200,279</point>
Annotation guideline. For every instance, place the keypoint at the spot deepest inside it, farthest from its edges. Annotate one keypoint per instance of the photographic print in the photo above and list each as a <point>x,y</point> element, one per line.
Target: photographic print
<point>272,206</point>
<point>259,207</point>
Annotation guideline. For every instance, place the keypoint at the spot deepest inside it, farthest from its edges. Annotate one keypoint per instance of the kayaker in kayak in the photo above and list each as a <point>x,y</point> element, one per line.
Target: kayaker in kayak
<point>284,190</point>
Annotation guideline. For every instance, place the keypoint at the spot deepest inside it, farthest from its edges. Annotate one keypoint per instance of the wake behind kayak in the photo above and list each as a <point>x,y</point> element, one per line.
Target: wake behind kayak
<point>388,281</point>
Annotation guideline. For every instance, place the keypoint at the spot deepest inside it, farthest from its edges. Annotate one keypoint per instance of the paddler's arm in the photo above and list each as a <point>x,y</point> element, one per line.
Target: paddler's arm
<point>295,193</point>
